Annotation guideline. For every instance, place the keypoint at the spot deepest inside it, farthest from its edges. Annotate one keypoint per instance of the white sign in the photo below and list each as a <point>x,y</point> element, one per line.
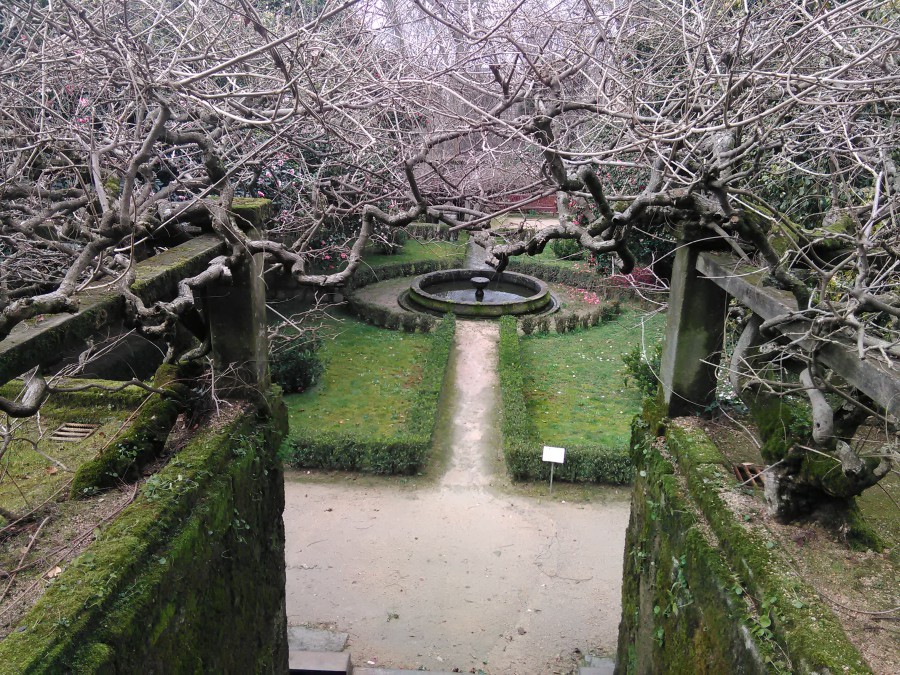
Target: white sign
<point>555,455</point>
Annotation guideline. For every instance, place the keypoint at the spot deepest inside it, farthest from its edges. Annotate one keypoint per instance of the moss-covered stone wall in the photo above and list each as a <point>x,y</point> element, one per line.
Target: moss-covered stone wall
<point>188,579</point>
<point>701,592</point>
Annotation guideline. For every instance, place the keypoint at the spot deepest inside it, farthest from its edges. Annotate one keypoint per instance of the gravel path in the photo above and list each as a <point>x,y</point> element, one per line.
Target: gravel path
<point>457,573</point>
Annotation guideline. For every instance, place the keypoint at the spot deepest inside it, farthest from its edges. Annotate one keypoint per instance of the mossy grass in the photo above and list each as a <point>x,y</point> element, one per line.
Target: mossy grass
<point>369,382</point>
<point>32,478</point>
<point>375,406</point>
<point>202,542</point>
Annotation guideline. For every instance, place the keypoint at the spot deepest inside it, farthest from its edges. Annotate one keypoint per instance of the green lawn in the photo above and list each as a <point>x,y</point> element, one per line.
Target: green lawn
<point>369,384</point>
<point>548,257</point>
<point>414,251</point>
<point>574,383</point>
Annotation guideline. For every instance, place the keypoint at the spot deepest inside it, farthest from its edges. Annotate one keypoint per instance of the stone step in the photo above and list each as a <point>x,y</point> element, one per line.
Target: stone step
<point>303,639</point>
<point>319,663</point>
<point>603,668</point>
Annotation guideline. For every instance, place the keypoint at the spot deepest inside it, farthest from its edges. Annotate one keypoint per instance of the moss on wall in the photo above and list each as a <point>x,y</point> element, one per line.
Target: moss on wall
<point>189,578</point>
<point>701,592</point>
<point>140,443</point>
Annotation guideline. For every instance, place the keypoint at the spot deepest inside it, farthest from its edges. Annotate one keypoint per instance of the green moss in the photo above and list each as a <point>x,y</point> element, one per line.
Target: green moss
<point>189,578</point>
<point>684,604</point>
<point>251,211</point>
<point>95,658</point>
<point>137,445</point>
<point>158,276</point>
<point>113,186</point>
<point>860,534</point>
<point>47,341</point>
<point>692,447</point>
<point>783,421</point>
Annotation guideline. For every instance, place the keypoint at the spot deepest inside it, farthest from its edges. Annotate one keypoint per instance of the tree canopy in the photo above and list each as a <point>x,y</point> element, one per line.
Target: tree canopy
<point>769,127</point>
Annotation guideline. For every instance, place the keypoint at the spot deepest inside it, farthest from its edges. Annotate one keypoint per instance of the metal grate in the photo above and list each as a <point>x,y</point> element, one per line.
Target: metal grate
<point>750,474</point>
<point>73,431</point>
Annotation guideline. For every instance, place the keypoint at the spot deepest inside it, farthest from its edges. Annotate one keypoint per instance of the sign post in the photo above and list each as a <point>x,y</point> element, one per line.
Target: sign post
<point>554,456</point>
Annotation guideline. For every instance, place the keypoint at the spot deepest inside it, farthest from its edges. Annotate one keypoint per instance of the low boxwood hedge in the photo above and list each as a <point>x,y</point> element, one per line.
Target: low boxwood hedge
<point>387,317</point>
<point>522,447</point>
<point>371,275</point>
<point>404,453</point>
<point>429,231</point>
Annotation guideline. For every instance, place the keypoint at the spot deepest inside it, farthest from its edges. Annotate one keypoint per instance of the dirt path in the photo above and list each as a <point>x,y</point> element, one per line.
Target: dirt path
<point>457,574</point>
<point>474,429</point>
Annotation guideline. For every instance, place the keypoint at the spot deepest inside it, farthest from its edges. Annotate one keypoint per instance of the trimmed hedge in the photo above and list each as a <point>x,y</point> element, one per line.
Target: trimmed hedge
<point>557,274</point>
<point>387,317</point>
<point>404,453</point>
<point>522,446</point>
<point>428,231</point>
<point>371,275</point>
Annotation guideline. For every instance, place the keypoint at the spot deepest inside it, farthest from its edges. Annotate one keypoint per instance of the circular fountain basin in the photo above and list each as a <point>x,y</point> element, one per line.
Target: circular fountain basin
<point>505,293</point>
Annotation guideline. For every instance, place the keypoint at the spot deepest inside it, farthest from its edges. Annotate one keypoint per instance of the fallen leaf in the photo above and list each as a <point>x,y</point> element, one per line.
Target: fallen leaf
<point>50,470</point>
<point>55,572</point>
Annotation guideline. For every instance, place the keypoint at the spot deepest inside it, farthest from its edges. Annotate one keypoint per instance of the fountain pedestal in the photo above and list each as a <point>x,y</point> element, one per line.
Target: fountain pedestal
<point>480,283</point>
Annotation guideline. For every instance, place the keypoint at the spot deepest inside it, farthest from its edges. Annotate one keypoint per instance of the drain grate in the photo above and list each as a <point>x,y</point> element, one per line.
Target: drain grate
<point>750,474</point>
<point>73,431</point>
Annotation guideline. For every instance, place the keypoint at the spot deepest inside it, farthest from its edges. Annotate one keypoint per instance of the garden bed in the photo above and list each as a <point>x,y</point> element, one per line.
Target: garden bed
<point>374,408</point>
<point>569,390</point>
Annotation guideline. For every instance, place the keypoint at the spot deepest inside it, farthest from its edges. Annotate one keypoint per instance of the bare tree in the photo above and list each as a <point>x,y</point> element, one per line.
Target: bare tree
<point>128,124</point>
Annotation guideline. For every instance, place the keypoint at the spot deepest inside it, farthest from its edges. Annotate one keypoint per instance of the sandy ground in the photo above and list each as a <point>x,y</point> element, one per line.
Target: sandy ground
<point>457,573</point>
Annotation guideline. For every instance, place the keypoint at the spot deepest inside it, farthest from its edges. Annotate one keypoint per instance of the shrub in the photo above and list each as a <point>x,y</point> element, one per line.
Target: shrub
<point>391,320</point>
<point>429,231</point>
<point>528,325</point>
<point>426,323</point>
<point>409,322</point>
<point>568,249</point>
<point>370,275</point>
<point>585,320</point>
<point>297,366</point>
<point>571,322</point>
<point>390,241</point>
<point>561,323</point>
<point>644,373</point>
<point>543,325</point>
<point>333,450</point>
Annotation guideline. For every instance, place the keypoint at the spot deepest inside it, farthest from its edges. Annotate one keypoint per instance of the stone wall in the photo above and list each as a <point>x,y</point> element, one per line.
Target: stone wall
<point>189,578</point>
<point>702,592</point>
